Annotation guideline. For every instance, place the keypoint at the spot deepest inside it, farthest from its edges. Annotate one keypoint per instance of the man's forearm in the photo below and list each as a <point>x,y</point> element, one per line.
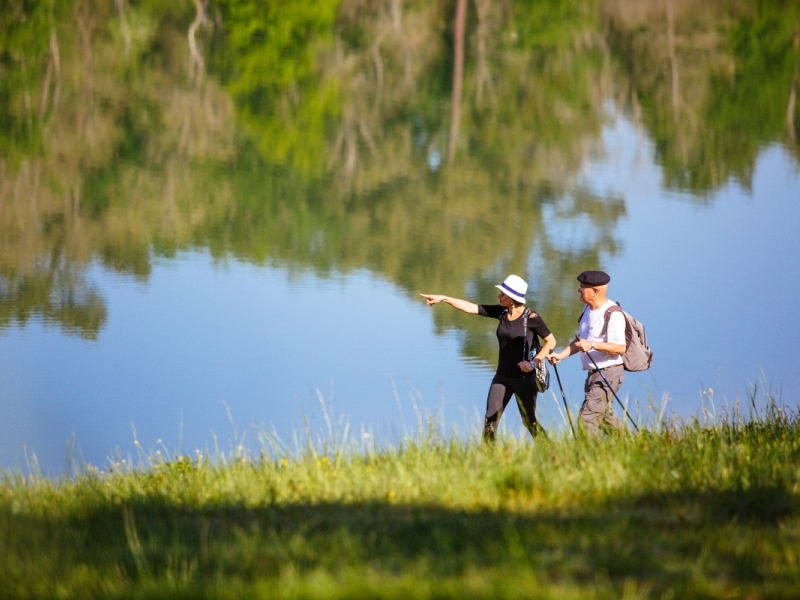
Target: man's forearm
<point>609,348</point>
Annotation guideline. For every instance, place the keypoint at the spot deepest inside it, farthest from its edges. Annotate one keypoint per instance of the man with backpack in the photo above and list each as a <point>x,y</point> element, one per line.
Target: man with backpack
<point>601,340</point>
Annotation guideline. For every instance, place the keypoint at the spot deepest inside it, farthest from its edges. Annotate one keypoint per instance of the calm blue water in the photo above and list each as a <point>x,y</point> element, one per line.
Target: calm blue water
<point>204,346</point>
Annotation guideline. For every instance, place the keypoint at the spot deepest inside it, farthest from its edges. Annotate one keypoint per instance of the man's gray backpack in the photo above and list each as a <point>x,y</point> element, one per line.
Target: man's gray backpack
<point>638,355</point>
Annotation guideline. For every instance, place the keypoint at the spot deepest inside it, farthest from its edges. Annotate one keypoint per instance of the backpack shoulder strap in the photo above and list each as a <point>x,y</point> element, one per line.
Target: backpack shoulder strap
<point>535,346</point>
<point>607,318</point>
<point>525,335</point>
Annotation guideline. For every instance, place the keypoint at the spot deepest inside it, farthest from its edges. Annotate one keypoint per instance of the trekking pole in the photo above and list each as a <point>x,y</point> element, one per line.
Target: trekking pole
<point>564,398</point>
<point>625,410</point>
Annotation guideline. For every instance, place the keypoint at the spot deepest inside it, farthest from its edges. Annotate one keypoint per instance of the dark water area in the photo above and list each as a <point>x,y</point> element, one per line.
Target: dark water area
<point>218,216</point>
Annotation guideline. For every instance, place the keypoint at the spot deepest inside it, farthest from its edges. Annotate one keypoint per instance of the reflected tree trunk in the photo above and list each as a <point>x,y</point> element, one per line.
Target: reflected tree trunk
<point>333,156</point>
<point>790,110</point>
<point>45,90</point>
<point>84,113</point>
<point>196,63</point>
<point>483,8</point>
<point>484,81</point>
<point>363,128</point>
<point>27,94</point>
<point>196,69</point>
<point>56,55</point>
<point>458,77</point>
<point>673,61</point>
<point>397,13</point>
<point>376,57</point>
<point>606,76</point>
<point>125,29</point>
<point>85,27</point>
<point>351,147</point>
<point>53,70</point>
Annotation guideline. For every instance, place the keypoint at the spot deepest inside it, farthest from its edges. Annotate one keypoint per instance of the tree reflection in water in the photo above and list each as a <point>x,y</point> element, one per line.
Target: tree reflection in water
<point>305,133</point>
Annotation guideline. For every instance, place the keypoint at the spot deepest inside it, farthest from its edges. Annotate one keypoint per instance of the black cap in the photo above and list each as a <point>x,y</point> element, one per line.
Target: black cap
<point>593,278</point>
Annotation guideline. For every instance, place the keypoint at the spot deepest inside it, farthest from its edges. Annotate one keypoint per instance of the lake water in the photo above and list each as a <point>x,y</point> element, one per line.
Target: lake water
<point>187,260</point>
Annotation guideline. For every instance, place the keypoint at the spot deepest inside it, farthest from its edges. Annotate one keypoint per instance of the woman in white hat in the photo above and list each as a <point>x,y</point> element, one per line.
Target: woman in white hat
<point>515,334</point>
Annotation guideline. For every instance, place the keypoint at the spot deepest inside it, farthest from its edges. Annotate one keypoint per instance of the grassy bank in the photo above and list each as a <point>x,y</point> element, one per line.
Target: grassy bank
<point>697,510</point>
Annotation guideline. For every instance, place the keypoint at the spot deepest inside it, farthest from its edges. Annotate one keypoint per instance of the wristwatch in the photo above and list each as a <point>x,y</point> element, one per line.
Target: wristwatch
<point>592,346</point>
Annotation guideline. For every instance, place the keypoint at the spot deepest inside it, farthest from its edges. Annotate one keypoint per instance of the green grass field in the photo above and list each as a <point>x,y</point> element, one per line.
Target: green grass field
<point>697,509</point>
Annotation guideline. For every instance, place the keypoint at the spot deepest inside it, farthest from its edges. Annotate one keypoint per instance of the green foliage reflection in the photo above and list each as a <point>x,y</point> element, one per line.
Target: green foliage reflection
<point>311,134</point>
<point>714,86</point>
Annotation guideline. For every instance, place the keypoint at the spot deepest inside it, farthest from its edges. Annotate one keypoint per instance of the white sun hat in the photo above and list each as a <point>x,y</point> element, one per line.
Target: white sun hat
<point>514,287</point>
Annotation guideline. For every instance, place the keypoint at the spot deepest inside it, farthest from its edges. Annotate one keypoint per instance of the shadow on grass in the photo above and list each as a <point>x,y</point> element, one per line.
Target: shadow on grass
<point>683,542</point>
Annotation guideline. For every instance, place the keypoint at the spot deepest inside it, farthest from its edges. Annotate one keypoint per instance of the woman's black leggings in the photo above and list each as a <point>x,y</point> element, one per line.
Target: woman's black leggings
<point>524,388</point>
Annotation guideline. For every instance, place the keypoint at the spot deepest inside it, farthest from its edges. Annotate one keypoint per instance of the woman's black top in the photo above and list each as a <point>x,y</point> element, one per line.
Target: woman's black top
<point>509,336</point>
